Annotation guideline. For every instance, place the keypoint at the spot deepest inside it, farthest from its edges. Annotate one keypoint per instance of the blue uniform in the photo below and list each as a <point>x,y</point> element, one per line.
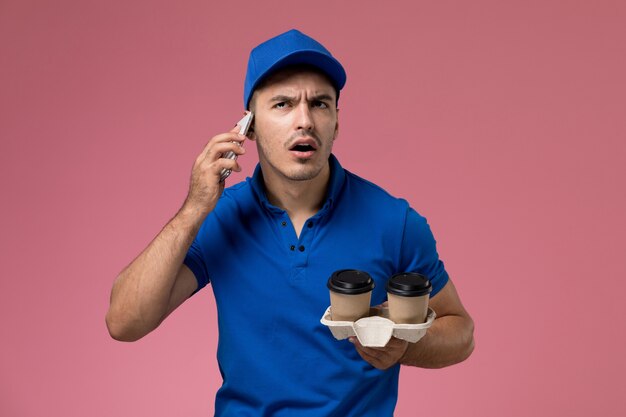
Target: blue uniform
<point>275,357</point>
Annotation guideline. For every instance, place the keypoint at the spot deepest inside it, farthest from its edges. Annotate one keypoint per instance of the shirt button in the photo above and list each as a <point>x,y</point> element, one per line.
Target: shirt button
<point>292,247</point>
<point>310,225</point>
<point>283,224</point>
<point>301,248</point>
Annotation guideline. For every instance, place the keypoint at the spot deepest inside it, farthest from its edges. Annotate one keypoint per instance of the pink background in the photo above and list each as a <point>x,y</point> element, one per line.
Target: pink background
<point>502,122</point>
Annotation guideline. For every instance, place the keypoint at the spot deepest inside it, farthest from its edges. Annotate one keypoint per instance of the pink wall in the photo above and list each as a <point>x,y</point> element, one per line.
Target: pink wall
<point>502,122</point>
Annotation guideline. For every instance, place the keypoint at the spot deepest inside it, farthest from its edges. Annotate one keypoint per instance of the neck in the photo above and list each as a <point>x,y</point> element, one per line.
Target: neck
<point>297,198</point>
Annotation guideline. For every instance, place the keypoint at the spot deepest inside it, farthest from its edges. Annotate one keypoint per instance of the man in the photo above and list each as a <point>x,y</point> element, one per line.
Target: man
<point>269,244</point>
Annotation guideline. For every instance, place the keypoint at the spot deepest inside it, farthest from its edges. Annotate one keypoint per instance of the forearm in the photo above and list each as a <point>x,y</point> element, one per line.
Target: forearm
<point>448,341</point>
<point>141,292</point>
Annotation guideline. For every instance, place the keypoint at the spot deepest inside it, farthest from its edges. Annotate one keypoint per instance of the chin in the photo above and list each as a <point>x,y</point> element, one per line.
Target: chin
<point>303,174</point>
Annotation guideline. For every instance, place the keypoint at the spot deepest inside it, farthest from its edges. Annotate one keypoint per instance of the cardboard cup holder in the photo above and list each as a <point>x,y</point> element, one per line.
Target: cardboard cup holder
<point>376,329</point>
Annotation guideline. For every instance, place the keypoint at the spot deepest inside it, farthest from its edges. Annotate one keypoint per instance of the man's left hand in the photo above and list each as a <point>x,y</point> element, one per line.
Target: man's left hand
<point>382,357</point>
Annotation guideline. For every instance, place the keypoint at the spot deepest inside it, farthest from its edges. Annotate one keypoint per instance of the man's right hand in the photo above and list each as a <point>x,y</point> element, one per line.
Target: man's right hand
<point>205,187</point>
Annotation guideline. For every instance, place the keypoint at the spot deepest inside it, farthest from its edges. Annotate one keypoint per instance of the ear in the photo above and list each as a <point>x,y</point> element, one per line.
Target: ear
<point>336,127</point>
<point>251,133</point>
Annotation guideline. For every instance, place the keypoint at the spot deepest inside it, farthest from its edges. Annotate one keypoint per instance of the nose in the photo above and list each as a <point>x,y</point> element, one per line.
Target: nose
<point>304,118</point>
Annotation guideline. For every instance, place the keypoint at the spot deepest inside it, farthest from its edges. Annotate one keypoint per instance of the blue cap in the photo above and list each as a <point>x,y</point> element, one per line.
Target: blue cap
<point>290,48</point>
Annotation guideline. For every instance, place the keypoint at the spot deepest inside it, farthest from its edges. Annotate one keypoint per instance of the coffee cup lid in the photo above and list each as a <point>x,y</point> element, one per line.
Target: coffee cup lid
<point>351,282</point>
<point>409,284</point>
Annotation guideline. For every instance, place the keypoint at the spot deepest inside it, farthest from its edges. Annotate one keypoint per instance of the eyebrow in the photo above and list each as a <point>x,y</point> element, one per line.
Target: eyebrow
<point>318,97</point>
<point>321,97</point>
<point>281,98</point>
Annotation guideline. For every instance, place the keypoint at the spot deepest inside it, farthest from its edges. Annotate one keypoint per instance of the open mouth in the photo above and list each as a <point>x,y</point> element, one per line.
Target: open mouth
<point>303,148</point>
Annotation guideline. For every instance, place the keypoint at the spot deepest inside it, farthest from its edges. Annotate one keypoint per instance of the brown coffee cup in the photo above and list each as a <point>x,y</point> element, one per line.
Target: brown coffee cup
<point>350,294</point>
<point>407,295</point>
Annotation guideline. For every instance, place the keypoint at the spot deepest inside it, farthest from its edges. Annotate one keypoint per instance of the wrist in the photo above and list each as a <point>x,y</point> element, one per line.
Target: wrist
<point>190,218</point>
<point>412,352</point>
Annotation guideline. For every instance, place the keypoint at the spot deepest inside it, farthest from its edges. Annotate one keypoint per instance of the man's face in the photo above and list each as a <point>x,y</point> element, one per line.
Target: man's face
<point>295,124</point>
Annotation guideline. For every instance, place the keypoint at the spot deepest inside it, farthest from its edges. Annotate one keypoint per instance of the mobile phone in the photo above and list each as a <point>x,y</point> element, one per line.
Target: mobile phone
<point>244,125</point>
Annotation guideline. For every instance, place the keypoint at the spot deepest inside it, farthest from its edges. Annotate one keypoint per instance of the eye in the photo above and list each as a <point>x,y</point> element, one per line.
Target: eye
<point>280,105</point>
<point>320,104</point>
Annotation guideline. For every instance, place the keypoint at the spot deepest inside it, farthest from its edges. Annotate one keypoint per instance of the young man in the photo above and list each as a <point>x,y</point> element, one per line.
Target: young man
<point>269,244</point>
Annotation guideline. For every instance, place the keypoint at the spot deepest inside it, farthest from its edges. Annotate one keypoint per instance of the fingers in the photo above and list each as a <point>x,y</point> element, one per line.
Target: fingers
<point>369,355</point>
<point>211,165</point>
<point>221,149</point>
<point>228,137</point>
<point>212,158</point>
<point>382,357</point>
<point>218,154</point>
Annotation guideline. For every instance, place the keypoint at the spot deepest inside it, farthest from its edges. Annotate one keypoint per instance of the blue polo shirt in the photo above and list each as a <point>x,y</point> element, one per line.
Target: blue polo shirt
<point>274,355</point>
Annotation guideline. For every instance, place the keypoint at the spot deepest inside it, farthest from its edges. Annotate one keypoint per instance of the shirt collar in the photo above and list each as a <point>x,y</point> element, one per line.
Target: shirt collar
<point>335,184</point>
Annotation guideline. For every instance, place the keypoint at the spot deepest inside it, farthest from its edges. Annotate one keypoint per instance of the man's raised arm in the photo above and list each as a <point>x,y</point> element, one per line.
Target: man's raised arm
<point>157,282</point>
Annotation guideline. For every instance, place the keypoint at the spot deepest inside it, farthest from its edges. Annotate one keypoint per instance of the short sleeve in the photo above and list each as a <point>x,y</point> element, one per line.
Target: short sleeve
<point>419,251</point>
<point>195,261</point>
